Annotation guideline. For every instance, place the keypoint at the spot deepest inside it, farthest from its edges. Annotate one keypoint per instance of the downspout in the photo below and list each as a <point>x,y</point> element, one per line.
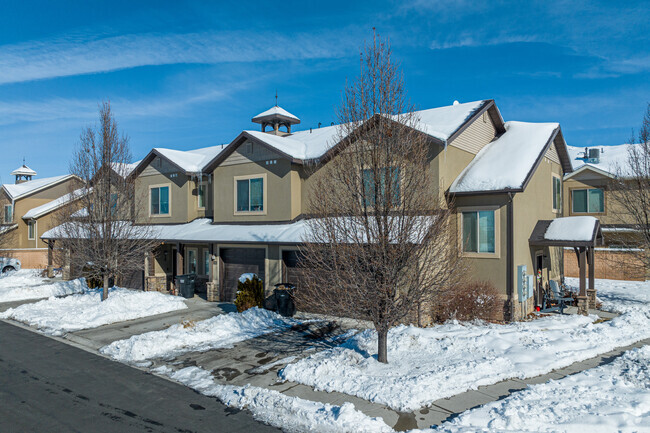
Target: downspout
<point>510,266</point>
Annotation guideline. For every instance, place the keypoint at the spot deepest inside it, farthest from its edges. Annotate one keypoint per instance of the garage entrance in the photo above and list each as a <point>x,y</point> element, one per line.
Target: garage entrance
<point>237,261</point>
<point>292,270</point>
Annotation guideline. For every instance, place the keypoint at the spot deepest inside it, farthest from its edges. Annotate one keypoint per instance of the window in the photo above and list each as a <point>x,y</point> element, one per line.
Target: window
<point>588,200</point>
<point>201,195</point>
<point>478,232</point>
<point>31,230</point>
<point>557,194</point>
<point>113,203</point>
<point>159,200</point>
<point>9,217</point>
<point>389,179</point>
<point>206,262</point>
<point>192,261</point>
<point>250,195</point>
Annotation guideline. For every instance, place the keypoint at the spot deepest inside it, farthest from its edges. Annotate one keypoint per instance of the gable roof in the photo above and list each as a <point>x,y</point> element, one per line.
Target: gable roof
<point>508,162</point>
<point>23,171</point>
<point>442,124</point>
<point>575,231</point>
<point>592,168</point>
<point>19,190</point>
<point>190,162</point>
<point>53,205</point>
<point>612,160</point>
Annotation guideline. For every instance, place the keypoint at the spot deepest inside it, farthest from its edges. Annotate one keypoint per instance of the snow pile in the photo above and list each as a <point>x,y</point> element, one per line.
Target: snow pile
<point>291,414</point>
<point>432,363</point>
<point>27,284</point>
<point>505,162</point>
<point>214,333</point>
<point>613,397</point>
<point>57,316</point>
<point>576,228</point>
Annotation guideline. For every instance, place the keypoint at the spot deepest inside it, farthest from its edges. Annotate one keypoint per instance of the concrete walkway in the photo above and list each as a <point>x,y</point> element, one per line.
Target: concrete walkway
<point>258,360</point>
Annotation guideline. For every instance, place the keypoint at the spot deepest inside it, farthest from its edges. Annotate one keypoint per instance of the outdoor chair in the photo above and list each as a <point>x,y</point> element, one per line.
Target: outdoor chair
<point>558,297</point>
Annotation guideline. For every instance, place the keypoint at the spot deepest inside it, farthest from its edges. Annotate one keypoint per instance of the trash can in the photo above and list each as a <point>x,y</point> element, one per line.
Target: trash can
<point>284,300</point>
<point>185,285</point>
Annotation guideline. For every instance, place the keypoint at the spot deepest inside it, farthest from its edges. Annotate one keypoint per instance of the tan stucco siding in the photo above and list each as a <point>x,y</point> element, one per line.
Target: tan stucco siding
<point>182,202</point>
<point>613,213</point>
<point>476,135</point>
<point>451,162</point>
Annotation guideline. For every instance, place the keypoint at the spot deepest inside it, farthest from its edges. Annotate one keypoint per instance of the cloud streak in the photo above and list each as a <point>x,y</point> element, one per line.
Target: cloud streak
<point>38,60</point>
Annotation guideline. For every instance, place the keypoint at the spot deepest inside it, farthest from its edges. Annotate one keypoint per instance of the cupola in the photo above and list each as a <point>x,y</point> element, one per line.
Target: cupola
<point>23,174</point>
<point>276,117</point>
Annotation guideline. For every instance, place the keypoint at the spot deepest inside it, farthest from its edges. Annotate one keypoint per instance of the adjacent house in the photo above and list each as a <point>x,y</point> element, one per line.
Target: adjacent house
<point>29,209</point>
<point>590,190</point>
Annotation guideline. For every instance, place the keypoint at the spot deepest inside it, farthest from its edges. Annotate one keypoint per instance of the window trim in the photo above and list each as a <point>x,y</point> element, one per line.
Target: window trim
<point>497,231</point>
<point>264,210</point>
<point>32,223</point>
<point>187,259</point>
<point>4,216</point>
<point>199,185</point>
<point>161,215</point>
<point>573,211</point>
<point>553,177</point>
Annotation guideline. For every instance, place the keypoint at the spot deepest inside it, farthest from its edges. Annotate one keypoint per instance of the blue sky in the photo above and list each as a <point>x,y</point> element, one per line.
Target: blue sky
<point>185,74</point>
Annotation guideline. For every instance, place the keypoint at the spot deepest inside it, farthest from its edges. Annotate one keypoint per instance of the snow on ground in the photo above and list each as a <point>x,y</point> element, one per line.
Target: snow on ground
<point>620,296</point>
<point>611,398</point>
<point>28,284</point>
<point>291,414</point>
<point>214,333</point>
<point>57,316</point>
<point>432,363</point>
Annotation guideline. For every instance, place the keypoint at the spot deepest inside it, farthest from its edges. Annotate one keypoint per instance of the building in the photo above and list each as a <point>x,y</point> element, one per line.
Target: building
<point>29,209</point>
<point>242,207</point>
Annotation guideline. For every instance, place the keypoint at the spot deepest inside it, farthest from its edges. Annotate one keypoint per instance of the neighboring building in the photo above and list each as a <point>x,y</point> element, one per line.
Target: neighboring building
<point>226,210</point>
<point>29,209</point>
<point>589,190</point>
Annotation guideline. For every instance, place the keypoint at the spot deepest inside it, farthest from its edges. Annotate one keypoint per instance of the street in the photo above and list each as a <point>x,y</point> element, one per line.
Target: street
<point>48,386</point>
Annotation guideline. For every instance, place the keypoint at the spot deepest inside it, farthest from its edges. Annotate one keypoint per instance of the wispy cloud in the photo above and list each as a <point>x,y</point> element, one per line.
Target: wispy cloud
<point>70,56</point>
<point>479,40</point>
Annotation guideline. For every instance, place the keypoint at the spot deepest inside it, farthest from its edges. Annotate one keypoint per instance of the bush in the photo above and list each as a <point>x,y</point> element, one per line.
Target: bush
<point>250,294</point>
<point>476,300</point>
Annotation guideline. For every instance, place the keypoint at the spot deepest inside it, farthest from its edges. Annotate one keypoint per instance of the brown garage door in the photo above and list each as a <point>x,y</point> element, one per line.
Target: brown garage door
<point>237,261</point>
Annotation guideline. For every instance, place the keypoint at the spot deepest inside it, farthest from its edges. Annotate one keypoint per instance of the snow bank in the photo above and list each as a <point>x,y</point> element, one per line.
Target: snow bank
<point>576,228</point>
<point>61,288</point>
<point>613,397</point>
<point>214,333</point>
<point>291,414</point>
<point>57,316</point>
<point>432,363</point>
<point>620,296</point>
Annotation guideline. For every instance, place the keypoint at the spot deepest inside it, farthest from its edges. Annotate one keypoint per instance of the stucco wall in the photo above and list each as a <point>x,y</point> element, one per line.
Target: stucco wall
<point>182,202</point>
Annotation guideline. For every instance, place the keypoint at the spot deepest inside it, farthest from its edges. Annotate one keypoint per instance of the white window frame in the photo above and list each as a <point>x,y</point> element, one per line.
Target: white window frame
<point>4,216</point>
<point>573,211</point>
<point>161,215</point>
<point>264,210</point>
<point>33,224</point>
<point>199,186</point>
<point>497,231</point>
<point>205,251</point>
<point>553,177</point>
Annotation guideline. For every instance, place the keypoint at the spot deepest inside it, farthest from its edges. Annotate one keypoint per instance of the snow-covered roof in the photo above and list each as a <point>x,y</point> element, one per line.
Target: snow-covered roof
<point>23,171</point>
<point>53,205</point>
<point>442,122</point>
<point>275,111</point>
<point>22,189</point>
<point>505,162</point>
<point>192,161</point>
<point>6,228</point>
<point>575,228</point>
<point>612,158</point>
<point>124,169</point>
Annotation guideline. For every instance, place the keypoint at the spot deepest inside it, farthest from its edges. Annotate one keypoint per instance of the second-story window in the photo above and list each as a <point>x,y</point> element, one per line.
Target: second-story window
<point>590,200</point>
<point>31,230</point>
<point>201,195</point>
<point>557,194</point>
<point>159,200</point>
<point>9,214</point>
<point>387,182</point>
<point>250,195</point>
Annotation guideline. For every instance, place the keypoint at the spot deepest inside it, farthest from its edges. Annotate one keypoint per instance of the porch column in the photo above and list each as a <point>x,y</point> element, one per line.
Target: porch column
<point>583,308</point>
<point>180,269</point>
<point>591,291</point>
<point>50,259</point>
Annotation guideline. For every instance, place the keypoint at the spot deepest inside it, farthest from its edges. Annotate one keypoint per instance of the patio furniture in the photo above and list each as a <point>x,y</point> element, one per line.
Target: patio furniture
<point>557,297</point>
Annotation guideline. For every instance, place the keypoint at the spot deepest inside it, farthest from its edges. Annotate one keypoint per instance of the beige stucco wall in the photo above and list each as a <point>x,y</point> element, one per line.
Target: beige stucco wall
<point>613,214</point>
<point>183,202</point>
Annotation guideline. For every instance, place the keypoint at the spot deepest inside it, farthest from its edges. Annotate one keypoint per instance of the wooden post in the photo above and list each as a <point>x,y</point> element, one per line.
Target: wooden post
<point>582,264</point>
<point>50,259</point>
<point>179,260</point>
<point>592,269</point>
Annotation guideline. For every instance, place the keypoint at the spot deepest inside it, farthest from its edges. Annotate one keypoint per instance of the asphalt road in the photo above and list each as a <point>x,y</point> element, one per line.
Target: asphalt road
<point>49,386</point>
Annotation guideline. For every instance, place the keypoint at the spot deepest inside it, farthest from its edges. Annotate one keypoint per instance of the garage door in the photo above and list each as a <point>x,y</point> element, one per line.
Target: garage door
<point>237,261</point>
<point>293,273</point>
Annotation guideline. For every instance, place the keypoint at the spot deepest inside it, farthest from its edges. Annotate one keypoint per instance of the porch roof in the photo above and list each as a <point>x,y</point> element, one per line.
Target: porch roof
<point>577,231</point>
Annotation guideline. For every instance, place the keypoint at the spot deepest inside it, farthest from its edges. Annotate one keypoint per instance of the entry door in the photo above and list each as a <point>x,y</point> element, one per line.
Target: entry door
<point>238,261</point>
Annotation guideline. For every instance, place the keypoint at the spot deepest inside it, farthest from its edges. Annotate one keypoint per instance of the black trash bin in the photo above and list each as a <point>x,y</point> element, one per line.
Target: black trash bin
<point>284,301</point>
<point>186,285</point>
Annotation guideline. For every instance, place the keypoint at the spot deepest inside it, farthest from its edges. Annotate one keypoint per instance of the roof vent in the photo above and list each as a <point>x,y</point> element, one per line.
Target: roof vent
<point>456,102</point>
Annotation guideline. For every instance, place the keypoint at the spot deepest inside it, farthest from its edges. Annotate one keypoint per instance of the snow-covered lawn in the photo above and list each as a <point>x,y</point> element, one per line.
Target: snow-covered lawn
<point>291,414</point>
<point>611,398</point>
<point>57,316</point>
<point>216,332</point>
<point>441,361</point>
<point>28,284</point>
<point>620,296</point>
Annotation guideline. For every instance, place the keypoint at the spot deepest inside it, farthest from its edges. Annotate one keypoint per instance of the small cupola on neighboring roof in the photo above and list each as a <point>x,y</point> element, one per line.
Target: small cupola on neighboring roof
<point>276,117</point>
<point>23,174</point>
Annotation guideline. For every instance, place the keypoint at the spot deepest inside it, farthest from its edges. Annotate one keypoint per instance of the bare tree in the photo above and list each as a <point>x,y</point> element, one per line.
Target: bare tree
<point>631,192</point>
<point>380,244</point>
<point>101,239</point>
